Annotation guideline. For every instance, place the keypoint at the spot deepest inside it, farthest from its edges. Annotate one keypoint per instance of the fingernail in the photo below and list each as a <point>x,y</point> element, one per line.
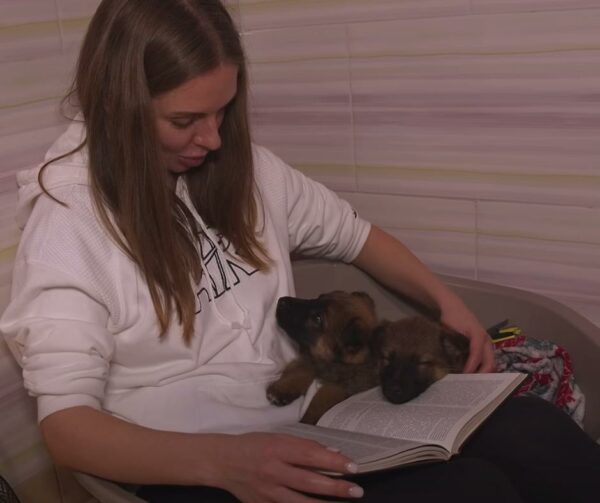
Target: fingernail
<point>351,467</point>
<point>356,492</point>
<point>332,449</point>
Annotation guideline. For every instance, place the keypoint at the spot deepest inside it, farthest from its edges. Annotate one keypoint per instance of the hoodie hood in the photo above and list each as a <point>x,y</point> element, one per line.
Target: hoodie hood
<point>72,170</point>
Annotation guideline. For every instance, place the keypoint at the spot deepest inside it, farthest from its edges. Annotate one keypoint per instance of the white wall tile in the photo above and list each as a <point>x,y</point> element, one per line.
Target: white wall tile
<point>541,222</point>
<point>260,14</point>
<point>498,107</point>
<point>28,82</point>
<point>28,41</point>
<point>29,112</point>
<point>301,100</point>
<point>500,6</point>
<point>441,232</point>
<point>24,12</point>
<point>542,248</point>
<point>74,18</point>
<point>9,234</point>
<point>70,9</point>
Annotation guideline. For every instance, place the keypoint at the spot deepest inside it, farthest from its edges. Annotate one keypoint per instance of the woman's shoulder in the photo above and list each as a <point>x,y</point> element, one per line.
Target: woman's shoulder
<point>272,177</point>
<point>273,173</point>
<point>267,163</point>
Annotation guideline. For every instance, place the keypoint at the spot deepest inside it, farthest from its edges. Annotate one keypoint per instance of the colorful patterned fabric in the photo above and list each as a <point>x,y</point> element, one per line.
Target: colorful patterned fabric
<point>549,369</point>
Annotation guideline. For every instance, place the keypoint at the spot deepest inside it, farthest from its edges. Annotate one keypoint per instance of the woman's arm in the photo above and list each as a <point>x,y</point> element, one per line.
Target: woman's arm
<point>391,263</point>
<point>254,466</point>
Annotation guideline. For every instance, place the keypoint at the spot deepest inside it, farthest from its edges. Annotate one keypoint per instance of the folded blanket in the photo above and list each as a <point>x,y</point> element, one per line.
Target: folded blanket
<point>549,369</point>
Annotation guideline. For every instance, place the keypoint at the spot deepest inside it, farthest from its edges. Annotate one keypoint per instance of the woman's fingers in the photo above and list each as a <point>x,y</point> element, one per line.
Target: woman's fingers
<point>303,458</point>
<point>314,483</point>
<point>481,353</point>
<point>312,454</point>
<point>261,467</point>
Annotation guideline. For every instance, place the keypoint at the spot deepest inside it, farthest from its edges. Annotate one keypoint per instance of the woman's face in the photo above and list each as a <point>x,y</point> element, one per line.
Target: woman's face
<point>188,117</point>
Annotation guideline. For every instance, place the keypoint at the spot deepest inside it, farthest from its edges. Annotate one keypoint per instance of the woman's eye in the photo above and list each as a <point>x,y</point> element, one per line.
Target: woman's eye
<point>182,124</point>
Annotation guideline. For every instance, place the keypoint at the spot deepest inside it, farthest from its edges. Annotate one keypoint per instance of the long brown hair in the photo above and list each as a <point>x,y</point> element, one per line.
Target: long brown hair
<point>133,51</point>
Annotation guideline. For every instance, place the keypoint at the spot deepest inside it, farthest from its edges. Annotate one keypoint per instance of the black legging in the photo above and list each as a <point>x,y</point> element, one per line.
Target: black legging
<point>527,451</point>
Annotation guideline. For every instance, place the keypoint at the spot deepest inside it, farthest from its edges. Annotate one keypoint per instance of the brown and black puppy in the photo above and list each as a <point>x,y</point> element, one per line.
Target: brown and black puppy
<point>342,345</point>
<point>413,353</point>
<point>334,334</point>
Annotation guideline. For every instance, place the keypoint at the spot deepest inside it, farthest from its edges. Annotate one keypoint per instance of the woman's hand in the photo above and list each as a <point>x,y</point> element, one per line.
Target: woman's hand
<point>481,351</point>
<point>275,468</point>
<point>390,262</point>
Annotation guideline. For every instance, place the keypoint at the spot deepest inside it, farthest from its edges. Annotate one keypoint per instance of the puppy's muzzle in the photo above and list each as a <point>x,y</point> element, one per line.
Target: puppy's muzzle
<point>291,315</point>
<point>285,311</point>
<point>403,379</point>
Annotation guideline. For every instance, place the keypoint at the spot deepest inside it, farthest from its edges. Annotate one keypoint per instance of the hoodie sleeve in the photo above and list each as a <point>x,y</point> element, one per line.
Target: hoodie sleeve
<point>319,223</point>
<point>58,333</point>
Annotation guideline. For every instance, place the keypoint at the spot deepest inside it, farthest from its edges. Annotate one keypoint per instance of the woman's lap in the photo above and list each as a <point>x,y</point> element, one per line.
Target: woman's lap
<point>528,450</point>
<point>424,484</point>
<point>541,449</point>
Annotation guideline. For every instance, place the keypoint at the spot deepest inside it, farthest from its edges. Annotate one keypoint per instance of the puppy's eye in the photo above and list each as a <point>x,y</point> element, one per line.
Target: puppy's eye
<point>387,359</point>
<point>317,319</point>
<point>352,349</point>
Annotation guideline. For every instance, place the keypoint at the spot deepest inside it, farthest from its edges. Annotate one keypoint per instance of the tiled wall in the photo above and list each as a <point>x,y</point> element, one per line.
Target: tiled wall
<point>468,128</point>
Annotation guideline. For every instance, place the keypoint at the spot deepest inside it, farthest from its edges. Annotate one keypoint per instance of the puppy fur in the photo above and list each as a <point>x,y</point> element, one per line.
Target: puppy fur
<point>413,353</point>
<point>342,344</point>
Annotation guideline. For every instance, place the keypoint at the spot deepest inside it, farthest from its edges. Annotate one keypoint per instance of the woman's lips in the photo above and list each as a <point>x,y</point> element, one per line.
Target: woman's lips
<point>190,162</point>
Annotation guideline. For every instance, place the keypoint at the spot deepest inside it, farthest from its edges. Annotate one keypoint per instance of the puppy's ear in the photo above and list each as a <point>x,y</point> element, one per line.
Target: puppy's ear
<point>456,349</point>
<point>365,297</point>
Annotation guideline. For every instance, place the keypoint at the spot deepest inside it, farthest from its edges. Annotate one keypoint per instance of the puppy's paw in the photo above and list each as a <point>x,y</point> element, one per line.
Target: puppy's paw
<point>279,396</point>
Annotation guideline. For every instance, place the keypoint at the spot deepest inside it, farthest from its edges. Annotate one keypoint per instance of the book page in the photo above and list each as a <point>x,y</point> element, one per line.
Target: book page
<point>368,451</point>
<point>436,416</point>
<point>359,447</point>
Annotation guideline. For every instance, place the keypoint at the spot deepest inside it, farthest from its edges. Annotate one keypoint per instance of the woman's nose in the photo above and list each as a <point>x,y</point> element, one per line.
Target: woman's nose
<point>207,133</point>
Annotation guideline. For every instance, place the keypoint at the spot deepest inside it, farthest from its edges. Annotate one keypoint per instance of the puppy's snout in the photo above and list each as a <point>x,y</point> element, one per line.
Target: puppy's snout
<point>284,303</point>
<point>290,312</point>
<point>284,306</point>
<point>402,380</point>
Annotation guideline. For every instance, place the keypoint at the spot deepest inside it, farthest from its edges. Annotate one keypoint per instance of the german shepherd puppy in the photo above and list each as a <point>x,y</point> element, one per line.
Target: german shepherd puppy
<point>342,344</point>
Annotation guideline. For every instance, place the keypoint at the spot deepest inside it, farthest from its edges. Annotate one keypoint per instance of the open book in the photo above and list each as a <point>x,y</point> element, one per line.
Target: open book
<point>377,434</point>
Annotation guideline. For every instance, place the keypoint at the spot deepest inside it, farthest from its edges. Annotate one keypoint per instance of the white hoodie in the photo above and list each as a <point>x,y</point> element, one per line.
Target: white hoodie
<point>83,327</point>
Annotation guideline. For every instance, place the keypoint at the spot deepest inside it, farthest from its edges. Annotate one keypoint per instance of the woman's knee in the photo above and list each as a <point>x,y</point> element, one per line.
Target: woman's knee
<point>528,423</point>
<point>480,480</point>
<point>462,479</point>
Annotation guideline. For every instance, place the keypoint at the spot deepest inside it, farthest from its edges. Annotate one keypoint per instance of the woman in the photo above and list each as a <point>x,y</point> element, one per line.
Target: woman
<point>156,244</point>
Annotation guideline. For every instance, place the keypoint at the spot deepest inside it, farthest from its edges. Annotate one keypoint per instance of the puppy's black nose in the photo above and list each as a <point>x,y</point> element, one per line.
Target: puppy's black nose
<point>284,308</point>
<point>284,303</point>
